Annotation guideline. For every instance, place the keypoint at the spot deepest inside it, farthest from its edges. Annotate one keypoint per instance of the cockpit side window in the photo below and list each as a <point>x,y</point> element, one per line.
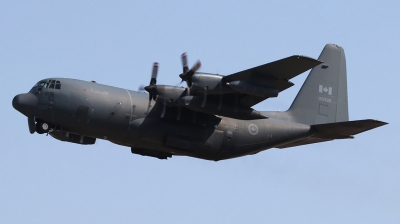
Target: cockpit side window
<point>52,84</point>
<point>58,85</point>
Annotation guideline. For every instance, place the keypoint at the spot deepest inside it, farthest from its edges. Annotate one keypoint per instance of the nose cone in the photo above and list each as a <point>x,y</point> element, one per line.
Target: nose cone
<point>25,103</point>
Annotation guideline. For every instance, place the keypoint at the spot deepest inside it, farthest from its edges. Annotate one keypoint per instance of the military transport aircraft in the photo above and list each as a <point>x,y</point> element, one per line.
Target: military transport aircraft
<point>210,119</point>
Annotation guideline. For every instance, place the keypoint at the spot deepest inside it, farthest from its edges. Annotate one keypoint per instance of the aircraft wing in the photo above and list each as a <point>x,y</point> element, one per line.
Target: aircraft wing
<point>274,75</point>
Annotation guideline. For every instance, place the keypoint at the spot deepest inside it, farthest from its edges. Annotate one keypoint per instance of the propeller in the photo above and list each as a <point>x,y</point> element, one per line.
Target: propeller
<point>185,76</point>
<point>151,88</point>
<point>188,74</point>
<point>31,124</point>
<point>141,88</point>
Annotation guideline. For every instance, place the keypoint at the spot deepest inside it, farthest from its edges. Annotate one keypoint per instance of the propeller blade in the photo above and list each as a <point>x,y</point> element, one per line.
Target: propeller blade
<point>153,80</point>
<point>196,66</point>
<point>184,63</point>
<point>31,124</point>
<point>187,74</point>
<point>141,88</point>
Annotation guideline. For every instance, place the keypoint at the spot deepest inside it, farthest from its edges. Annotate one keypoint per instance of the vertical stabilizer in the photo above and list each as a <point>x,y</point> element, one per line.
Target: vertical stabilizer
<point>323,96</point>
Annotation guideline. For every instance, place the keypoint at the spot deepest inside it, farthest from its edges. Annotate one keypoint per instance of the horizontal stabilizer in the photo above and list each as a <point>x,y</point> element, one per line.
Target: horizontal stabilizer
<point>344,129</point>
<point>331,131</point>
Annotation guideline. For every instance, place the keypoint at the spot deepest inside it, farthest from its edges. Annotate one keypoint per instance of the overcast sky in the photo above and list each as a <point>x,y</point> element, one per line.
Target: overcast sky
<point>43,180</point>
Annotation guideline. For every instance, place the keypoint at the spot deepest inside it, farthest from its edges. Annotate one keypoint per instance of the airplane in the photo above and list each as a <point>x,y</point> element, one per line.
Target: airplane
<point>212,118</point>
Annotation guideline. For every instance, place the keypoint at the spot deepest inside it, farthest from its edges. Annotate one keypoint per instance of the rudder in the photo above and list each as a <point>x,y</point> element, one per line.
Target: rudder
<point>323,96</point>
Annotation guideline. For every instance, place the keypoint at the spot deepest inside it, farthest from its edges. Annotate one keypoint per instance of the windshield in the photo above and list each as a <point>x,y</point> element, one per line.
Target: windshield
<point>50,84</point>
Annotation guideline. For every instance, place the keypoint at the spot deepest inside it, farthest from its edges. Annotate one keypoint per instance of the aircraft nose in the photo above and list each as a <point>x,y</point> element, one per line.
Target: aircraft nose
<point>25,103</point>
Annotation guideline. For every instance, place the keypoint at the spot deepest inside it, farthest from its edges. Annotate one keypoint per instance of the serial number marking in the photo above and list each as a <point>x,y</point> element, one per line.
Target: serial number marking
<point>324,99</point>
<point>99,92</point>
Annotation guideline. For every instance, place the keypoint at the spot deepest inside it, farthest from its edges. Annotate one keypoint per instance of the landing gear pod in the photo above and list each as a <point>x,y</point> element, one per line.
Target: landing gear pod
<point>69,137</point>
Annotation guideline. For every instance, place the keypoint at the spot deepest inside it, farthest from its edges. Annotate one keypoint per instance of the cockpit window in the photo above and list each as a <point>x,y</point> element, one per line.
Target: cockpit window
<point>46,85</point>
<point>52,84</point>
<point>49,84</point>
<point>58,85</point>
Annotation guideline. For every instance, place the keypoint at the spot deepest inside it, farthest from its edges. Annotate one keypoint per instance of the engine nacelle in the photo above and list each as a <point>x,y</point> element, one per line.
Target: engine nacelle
<point>169,94</point>
<point>202,82</point>
<point>69,137</point>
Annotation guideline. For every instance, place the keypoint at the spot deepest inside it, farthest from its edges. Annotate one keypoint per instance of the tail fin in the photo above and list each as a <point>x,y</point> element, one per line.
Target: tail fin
<point>323,96</point>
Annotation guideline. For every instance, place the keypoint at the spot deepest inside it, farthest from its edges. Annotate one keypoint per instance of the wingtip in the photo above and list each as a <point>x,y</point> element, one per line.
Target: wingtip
<point>379,122</point>
<point>303,57</point>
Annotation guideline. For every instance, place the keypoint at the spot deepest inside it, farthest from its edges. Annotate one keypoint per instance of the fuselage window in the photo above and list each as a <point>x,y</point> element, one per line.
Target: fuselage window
<point>58,85</point>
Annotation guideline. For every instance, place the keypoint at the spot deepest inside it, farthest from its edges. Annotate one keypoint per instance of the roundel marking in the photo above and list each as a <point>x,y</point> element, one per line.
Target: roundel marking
<point>253,129</point>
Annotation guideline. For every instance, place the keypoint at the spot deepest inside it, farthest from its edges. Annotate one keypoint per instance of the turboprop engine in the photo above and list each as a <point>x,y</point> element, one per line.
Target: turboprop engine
<point>209,84</point>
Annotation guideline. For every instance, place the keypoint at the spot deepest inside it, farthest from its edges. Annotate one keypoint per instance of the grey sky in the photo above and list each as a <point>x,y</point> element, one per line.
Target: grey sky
<point>43,180</point>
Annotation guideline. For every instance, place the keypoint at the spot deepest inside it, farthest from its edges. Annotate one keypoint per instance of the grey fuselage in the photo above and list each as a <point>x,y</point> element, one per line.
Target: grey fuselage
<point>212,119</point>
<point>123,117</point>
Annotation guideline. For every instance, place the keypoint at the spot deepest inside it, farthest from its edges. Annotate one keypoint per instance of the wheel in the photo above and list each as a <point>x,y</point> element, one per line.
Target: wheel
<point>42,127</point>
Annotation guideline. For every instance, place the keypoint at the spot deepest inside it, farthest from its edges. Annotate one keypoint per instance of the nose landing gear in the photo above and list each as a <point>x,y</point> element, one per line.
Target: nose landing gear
<point>42,127</point>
